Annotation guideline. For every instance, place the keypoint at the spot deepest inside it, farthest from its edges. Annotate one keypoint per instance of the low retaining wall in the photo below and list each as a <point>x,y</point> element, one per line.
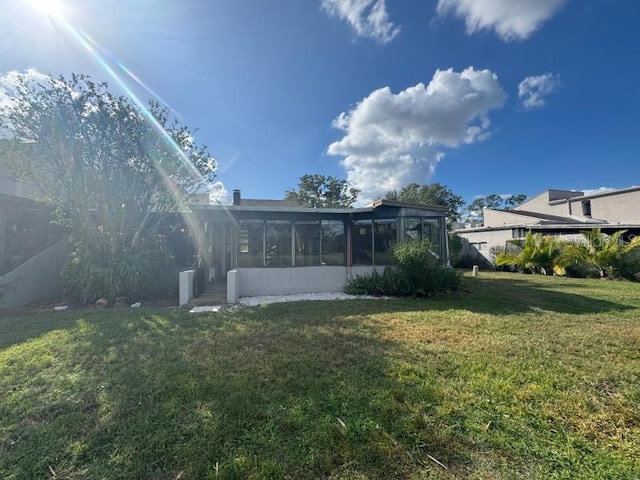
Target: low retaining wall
<point>253,282</point>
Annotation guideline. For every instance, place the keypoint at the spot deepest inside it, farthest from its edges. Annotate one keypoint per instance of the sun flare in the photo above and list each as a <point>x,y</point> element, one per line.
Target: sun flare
<point>51,8</point>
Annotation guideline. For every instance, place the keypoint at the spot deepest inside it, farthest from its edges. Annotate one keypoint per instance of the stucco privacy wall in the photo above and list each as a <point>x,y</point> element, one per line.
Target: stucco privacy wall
<point>35,280</point>
<point>253,282</point>
<point>492,238</point>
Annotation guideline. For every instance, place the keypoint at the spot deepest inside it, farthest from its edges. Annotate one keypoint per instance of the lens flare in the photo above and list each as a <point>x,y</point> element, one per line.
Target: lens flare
<point>51,8</point>
<point>55,10</point>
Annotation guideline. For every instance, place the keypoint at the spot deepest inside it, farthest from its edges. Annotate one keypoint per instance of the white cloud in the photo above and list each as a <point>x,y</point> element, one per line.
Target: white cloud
<point>511,19</point>
<point>10,80</point>
<point>369,18</point>
<point>533,90</point>
<point>593,191</point>
<point>218,194</point>
<point>395,139</point>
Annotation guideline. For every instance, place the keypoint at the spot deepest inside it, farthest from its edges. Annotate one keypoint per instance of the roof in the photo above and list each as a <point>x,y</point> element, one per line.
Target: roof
<point>256,202</point>
<point>381,203</point>
<point>600,194</point>
<point>578,227</point>
<point>554,195</point>
<point>545,216</point>
<point>281,206</point>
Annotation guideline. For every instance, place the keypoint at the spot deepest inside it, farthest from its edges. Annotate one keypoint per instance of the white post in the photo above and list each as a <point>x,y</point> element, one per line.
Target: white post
<point>186,286</point>
<point>233,286</point>
<point>474,272</point>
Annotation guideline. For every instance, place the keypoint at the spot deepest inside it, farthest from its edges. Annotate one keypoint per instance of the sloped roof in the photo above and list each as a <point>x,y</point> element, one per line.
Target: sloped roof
<point>544,216</point>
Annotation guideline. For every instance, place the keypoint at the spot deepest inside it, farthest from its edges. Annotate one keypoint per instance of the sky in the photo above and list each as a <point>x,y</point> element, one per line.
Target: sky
<point>483,96</point>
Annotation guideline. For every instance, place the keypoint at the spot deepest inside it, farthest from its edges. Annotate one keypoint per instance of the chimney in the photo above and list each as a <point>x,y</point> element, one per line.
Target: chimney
<point>237,199</point>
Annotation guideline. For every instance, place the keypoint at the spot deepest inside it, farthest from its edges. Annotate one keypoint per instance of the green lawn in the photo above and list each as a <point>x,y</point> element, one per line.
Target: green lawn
<point>519,377</point>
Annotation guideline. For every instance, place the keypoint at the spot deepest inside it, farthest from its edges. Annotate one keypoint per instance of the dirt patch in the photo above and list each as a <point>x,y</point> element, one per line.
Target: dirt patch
<point>47,307</point>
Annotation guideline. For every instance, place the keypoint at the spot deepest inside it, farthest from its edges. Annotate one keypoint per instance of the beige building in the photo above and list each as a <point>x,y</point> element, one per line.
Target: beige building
<point>554,212</point>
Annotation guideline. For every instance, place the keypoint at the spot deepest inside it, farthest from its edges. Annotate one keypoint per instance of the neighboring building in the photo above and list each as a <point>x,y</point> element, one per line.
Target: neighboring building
<point>272,247</point>
<point>564,213</point>
<point>32,253</point>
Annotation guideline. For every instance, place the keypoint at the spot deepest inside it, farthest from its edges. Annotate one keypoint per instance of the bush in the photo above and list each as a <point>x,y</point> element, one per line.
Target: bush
<point>136,274</point>
<point>390,283</point>
<point>419,274</point>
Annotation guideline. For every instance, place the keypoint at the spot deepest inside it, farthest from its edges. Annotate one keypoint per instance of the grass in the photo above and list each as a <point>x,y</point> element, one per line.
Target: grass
<point>520,377</point>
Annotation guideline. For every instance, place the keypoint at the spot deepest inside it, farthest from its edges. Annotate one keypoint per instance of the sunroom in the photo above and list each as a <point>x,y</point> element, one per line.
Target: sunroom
<point>257,248</point>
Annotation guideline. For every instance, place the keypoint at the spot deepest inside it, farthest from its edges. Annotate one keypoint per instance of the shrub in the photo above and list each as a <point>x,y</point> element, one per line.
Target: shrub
<point>390,283</point>
<point>418,274</point>
<point>135,273</point>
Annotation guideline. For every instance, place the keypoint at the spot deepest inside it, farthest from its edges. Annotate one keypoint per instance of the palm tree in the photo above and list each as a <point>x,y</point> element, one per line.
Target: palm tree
<point>607,253</point>
<point>539,254</point>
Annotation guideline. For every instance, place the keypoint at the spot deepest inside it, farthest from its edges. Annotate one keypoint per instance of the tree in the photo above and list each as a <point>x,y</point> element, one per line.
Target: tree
<point>110,168</point>
<point>493,201</point>
<point>538,254</point>
<point>514,201</point>
<point>607,253</point>
<point>320,191</point>
<point>433,194</point>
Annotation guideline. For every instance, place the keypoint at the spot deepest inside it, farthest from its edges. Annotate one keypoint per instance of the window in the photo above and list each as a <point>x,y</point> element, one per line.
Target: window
<point>384,239</point>
<point>307,243</point>
<point>362,242</point>
<point>333,243</point>
<point>424,228</point>
<point>413,228</point>
<point>480,246</point>
<point>431,232</point>
<point>278,243</point>
<point>586,208</point>
<point>250,243</point>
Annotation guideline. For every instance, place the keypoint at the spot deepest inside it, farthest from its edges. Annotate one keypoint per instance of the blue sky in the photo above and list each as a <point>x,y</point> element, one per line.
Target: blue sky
<point>484,96</point>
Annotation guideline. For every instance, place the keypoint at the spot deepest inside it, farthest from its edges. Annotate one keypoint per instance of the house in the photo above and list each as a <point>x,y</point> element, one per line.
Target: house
<point>563,213</point>
<point>273,247</point>
<point>252,247</point>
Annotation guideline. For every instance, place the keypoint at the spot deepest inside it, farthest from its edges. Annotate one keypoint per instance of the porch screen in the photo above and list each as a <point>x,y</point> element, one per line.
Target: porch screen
<point>250,243</point>
<point>362,242</point>
<point>424,228</point>
<point>431,232</point>
<point>278,243</point>
<point>333,244</point>
<point>307,243</point>
<point>385,238</point>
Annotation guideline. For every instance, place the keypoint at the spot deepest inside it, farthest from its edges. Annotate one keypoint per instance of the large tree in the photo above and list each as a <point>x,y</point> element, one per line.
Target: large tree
<point>494,201</point>
<point>320,191</point>
<point>432,194</point>
<point>110,168</point>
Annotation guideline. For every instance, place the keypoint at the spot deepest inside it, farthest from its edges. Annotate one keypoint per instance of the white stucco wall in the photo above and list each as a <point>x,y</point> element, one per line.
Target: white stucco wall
<point>491,237</point>
<point>615,208</point>
<point>494,218</point>
<point>540,203</point>
<point>252,282</point>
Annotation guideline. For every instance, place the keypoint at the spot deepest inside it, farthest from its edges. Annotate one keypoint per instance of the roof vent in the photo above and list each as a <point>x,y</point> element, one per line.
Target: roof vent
<point>237,198</point>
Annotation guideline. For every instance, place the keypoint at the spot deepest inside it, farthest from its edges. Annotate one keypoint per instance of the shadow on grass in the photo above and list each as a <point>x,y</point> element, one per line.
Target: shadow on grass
<point>506,296</point>
<point>176,396</point>
<point>18,329</point>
